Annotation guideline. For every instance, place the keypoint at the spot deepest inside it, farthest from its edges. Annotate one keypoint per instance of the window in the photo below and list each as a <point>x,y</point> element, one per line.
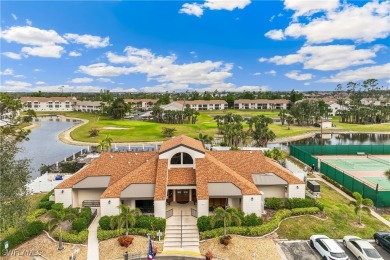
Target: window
<point>182,158</point>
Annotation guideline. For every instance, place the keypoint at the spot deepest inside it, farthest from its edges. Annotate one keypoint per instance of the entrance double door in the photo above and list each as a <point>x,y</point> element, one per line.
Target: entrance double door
<point>182,195</point>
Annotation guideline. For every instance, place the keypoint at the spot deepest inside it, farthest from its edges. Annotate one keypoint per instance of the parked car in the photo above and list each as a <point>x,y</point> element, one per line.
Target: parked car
<point>362,249</point>
<point>382,238</point>
<point>328,248</point>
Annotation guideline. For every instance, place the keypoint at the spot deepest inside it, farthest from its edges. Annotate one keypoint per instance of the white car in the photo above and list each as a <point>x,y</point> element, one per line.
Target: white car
<point>362,249</point>
<point>328,248</point>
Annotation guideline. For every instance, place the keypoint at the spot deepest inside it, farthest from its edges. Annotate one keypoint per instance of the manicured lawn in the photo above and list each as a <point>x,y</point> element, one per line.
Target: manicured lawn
<point>361,128</point>
<point>386,216</point>
<point>341,219</point>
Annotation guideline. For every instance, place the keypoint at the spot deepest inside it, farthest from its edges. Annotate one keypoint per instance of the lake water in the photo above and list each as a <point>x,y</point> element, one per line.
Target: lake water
<point>345,139</point>
<point>44,145</point>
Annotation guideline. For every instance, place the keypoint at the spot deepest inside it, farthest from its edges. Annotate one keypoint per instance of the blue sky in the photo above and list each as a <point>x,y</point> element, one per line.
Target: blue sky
<point>158,46</point>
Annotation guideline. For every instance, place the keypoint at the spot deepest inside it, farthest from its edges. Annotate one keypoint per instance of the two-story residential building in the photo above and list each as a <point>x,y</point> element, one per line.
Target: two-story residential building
<point>266,104</point>
<point>141,104</point>
<point>204,104</point>
<point>333,103</point>
<point>88,106</point>
<point>48,103</point>
<point>182,171</point>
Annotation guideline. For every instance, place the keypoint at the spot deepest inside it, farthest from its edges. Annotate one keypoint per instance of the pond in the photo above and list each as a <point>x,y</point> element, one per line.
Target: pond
<point>344,139</point>
<point>44,146</point>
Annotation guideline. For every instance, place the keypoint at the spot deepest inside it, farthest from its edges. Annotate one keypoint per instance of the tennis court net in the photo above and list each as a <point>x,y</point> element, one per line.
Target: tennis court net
<point>374,158</point>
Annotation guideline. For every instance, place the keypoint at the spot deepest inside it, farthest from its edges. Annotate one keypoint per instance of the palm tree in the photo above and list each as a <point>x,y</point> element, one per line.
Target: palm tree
<point>108,141</point>
<point>228,217</point>
<point>127,217</point>
<point>387,174</point>
<point>361,204</point>
<point>57,217</point>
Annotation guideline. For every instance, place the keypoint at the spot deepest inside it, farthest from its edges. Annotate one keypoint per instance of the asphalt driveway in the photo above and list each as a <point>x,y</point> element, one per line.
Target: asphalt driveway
<point>301,250</point>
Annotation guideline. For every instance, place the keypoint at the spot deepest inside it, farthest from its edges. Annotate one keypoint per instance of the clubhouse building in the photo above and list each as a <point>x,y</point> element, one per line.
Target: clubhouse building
<point>182,171</point>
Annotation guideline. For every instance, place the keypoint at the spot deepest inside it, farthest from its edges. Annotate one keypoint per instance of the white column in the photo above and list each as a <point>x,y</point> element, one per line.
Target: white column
<point>174,195</point>
<point>160,208</point>
<point>203,208</point>
<point>190,195</point>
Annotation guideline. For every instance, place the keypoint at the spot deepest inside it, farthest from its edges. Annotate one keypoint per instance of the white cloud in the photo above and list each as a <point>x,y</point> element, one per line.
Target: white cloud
<point>306,83</point>
<point>74,54</point>
<point>226,5</point>
<point>14,16</point>
<point>123,90</point>
<point>89,41</point>
<point>361,24</point>
<point>106,80</point>
<point>240,67</point>
<point>163,69</point>
<point>309,7</point>
<point>192,9</point>
<point>28,22</point>
<point>294,74</point>
<point>331,57</point>
<point>257,74</point>
<point>373,72</point>
<point>262,59</point>
<point>17,84</point>
<point>40,83</point>
<point>31,36</point>
<point>81,80</point>
<point>275,34</point>
<point>19,76</point>
<point>12,55</point>
<point>271,72</point>
<point>251,88</point>
<point>272,18</point>
<point>7,72</point>
<point>38,70</point>
<point>45,51</point>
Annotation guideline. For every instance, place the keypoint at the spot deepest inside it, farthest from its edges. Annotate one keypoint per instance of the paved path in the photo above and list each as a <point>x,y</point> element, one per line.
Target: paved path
<point>93,243</point>
<point>373,213</point>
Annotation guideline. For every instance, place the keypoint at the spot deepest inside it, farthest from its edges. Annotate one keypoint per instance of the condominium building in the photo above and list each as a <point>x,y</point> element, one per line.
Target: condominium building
<point>266,104</point>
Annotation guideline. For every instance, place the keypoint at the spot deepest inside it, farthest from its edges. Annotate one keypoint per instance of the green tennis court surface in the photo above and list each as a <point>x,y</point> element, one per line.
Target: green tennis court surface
<point>363,164</point>
<point>383,182</point>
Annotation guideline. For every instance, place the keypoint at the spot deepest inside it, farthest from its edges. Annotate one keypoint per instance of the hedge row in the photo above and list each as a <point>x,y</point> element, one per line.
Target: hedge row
<point>293,203</point>
<point>20,236</point>
<point>261,230</point>
<point>79,238</point>
<point>338,185</point>
<point>107,234</point>
<point>142,222</point>
<point>33,217</point>
<point>203,222</point>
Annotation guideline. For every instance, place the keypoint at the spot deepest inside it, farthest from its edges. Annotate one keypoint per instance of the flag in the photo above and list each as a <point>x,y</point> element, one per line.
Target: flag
<point>150,251</point>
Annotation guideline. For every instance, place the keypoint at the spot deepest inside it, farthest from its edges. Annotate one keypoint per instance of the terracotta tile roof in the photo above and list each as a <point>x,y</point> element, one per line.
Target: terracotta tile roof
<point>210,169</point>
<point>181,140</point>
<point>145,173</point>
<point>201,102</point>
<point>181,176</point>
<point>47,99</point>
<point>261,101</point>
<point>115,165</point>
<point>160,190</point>
<point>248,162</point>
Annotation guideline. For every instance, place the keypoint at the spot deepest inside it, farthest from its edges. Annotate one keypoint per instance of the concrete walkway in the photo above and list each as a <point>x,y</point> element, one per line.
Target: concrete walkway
<point>93,243</point>
<point>373,213</point>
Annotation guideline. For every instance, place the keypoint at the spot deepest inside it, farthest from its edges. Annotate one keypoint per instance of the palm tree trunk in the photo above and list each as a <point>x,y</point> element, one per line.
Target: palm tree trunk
<point>224,227</point>
<point>127,228</point>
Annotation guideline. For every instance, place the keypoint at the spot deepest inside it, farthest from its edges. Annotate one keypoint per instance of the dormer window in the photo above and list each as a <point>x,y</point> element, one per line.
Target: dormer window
<point>182,158</point>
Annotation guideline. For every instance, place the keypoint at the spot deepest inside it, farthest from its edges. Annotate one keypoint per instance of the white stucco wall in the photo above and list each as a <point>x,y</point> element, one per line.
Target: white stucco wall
<point>160,207</point>
<point>234,202</point>
<point>203,208</point>
<point>63,196</point>
<point>296,191</point>
<point>87,194</point>
<point>181,149</point>
<point>109,206</point>
<point>250,206</point>
<point>273,191</point>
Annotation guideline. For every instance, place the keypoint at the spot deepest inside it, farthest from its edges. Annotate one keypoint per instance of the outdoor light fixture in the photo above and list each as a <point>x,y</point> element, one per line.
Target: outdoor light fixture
<point>297,187</point>
<point>252,199</point>
<point>109,201</point>
<point>62,191</point>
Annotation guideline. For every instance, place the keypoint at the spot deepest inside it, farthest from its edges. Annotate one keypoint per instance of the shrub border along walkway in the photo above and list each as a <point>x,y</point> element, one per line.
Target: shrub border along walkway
<point>262,230</point>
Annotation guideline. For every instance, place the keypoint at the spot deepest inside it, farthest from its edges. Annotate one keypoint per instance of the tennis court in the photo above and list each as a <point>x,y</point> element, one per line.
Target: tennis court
<point>368,168</point>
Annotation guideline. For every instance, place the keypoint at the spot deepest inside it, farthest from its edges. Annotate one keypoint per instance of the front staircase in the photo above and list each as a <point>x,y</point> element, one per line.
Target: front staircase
<point>181,232</point>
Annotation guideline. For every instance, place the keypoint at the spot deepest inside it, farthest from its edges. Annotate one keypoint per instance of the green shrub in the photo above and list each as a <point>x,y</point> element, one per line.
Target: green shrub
<point>86,212</point>
<point>80,224</point>
<point>35,228</point>
<point>57,206</point>
<point>79,238</point>
<point>104,223</point>
<point>305,211</point>
<point>274,203</point>
<point>45,205</point>
<point>47,196</point>
<point>32,217</point>
<point>150,222</point>
<point>20,236</point>
<point>300,203</point>
<point>252,220</point>
<point>203,223</point>
<point>320,205</point>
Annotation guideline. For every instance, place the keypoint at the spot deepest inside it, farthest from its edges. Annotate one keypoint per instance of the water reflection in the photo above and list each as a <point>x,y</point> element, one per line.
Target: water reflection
<point>343,139</point>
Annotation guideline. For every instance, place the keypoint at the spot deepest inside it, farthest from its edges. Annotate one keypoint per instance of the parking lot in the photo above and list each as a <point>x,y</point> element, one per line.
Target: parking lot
<point>301,250</point>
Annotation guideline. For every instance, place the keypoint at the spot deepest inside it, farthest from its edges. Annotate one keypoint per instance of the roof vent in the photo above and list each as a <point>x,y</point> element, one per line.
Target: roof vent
<point>250,151</point>
<point>128,162</point>
<point>136,153</point>
<point>111,156</point>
